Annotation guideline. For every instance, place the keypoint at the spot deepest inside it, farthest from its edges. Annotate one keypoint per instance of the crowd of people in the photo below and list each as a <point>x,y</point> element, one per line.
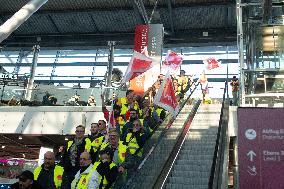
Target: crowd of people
<point>113,149</point>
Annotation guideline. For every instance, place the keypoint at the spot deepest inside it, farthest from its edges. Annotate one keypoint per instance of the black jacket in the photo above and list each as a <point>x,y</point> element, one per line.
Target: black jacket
<point>66,162</point>
<point>34,186</point>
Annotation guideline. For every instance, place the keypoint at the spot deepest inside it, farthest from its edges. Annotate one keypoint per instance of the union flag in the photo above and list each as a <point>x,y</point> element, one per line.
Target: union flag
<point>139,64</point>
<point>211,63</point>
<point>172,62</point>
<point>166,98</point>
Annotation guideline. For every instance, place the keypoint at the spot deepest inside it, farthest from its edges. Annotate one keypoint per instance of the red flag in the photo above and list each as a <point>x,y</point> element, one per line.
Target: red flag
<point>112,122</point>
<point>165,96</point>
<point>211,63</point>
<point>139,64</point>
<point>171,62</point>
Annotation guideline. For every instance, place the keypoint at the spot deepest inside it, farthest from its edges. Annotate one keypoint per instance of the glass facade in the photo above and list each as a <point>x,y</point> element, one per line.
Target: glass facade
<point>70,67</point>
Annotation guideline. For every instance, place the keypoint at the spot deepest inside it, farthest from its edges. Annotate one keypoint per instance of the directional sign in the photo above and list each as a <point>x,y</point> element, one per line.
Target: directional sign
<point>261,148</point>
<point>250,154</point>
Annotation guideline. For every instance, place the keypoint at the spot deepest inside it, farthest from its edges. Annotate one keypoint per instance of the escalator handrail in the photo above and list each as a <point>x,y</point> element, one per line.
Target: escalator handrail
<point>160,182</point>
<point>164,131</point>
<point>220,132</point>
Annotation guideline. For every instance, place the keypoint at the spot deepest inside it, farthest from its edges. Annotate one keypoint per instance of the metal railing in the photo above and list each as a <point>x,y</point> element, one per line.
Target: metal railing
<point>154,143</point>
<point>218,168</point>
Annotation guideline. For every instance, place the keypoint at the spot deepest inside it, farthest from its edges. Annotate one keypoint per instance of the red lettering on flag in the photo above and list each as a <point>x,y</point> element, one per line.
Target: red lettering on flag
<point>165,96</point>
<point>211,63</point>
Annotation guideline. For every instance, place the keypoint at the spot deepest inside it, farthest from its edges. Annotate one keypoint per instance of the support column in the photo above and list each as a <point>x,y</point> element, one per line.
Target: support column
<point>19,18</point>
<point>54,65</point>
<point>36,50</point>
<point>241,51</point>
<point>111,45</point>
<point>19,61</point>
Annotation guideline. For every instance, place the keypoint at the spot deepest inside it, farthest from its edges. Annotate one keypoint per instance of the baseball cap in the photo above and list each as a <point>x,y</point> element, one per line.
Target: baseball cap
<point>26,175</point>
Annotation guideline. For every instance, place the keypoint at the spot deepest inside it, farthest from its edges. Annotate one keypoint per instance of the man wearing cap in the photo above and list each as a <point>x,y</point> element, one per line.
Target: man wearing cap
<point>48,174</point>
<point>26,181</point>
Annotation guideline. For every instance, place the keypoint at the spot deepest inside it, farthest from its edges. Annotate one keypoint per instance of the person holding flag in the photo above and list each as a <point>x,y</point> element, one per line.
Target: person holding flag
<point>165,96</point>
<point>204,85</point>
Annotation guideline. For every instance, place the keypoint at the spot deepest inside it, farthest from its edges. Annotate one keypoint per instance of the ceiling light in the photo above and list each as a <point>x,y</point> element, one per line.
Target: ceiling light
<point>205,34</point>
<point>66,138</point>
<point>24,155</point>
<point>20,137</point>
<point>3,146</point>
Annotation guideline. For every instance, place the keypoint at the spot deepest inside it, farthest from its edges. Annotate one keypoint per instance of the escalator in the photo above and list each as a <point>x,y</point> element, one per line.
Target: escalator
<point>193,165</point>
<point>190,153</point>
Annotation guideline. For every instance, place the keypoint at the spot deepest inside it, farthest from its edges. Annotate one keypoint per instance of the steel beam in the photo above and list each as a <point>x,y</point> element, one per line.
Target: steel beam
<point>32,73</point>
<point>140,9</point>
<point>193,36</point>
<point>179,5</point>
<point>171,15</point>
<point>19,18</point>
<point>241,51</point>
<point>98,64</point>
<point>111,45</point>
<point>267,11</point>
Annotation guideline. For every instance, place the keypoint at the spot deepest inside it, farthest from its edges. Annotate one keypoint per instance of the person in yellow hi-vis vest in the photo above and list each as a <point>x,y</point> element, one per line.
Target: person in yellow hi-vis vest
<point>87,177</point>
<point>106,168</point>
<point>49,175</point>
<point>127,103</point>
<point>136,139</point>
<point>71,157</point>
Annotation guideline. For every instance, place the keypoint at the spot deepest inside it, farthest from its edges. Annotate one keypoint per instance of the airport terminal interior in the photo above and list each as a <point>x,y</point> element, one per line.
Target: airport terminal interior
<point>172,94</point>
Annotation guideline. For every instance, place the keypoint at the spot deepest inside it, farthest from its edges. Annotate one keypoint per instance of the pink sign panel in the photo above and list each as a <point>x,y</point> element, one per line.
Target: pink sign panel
<point>261,148</point>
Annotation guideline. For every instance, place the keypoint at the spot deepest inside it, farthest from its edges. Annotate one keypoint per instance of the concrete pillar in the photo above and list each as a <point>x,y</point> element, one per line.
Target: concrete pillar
<point>19,18</point>
<point>36,49</point>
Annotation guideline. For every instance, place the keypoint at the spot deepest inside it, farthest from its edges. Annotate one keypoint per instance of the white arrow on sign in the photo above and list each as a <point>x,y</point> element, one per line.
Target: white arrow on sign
<point>250,154</point>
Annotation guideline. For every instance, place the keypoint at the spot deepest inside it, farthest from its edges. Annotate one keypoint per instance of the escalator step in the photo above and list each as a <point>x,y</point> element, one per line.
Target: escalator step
<point>182,186</point>
<point>192,174</point>
<point>188,181</point>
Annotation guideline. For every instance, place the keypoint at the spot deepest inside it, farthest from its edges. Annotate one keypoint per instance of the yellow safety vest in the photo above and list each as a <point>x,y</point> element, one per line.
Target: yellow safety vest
<point>105,181</point>
<point>83,180</point>
<point>124,108</point>
<point>133,145</point>
<point>88,144</point>
<point>97,143</point>
<point>58,172</point>
<point>159,110</point>
<point>121,101</point>
<point>121,123</point>
<point>121,150</point>
<point>180,79</point>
